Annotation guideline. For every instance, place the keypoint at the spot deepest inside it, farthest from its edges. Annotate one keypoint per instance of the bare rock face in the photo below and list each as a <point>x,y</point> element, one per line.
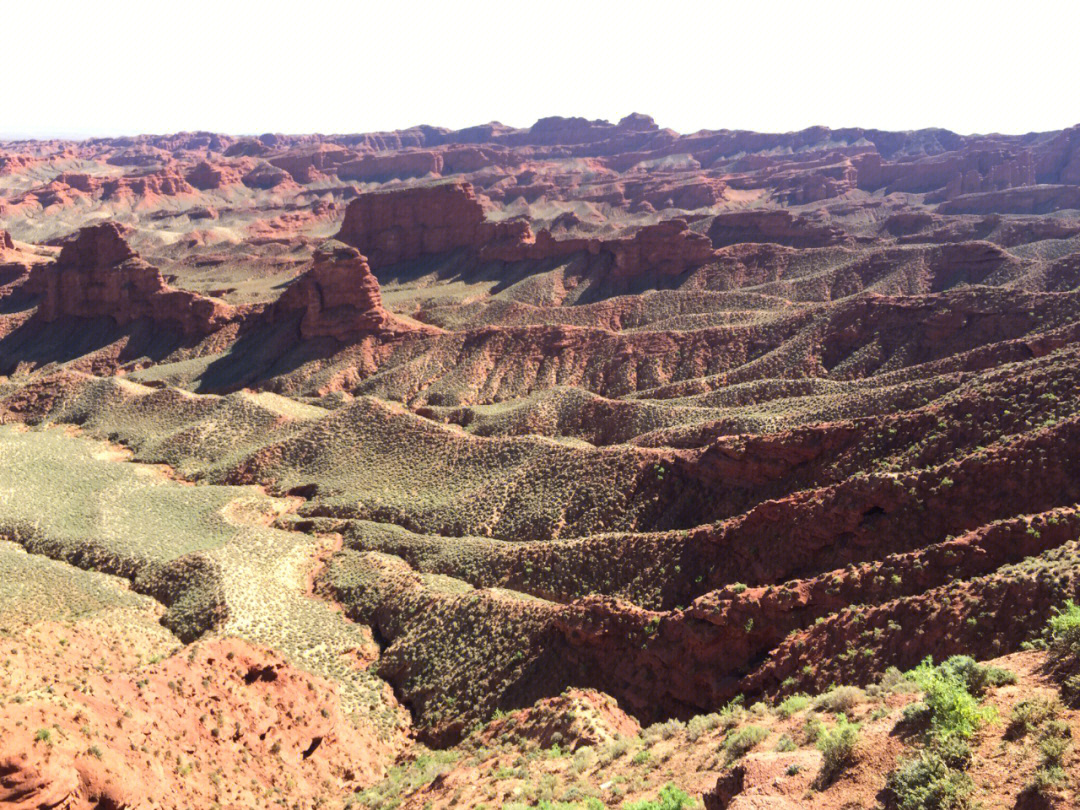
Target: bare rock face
<point>207,176</point>
<point>383,167</point>
<point>265,176</point>
<point>5,241</point>
<point>339,297</point>
<point>1015,200</point>
<point>400,225</point>
<point>776,226</point>
<point>395,226</point>
<point>315,163</point>
<point>666,248</point>
<point>98,274</point>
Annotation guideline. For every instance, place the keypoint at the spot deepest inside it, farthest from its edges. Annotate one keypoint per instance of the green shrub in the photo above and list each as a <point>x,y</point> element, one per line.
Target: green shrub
<point>1052,748</point>
<point>785,743</point>
<point>955,752</point>
<point>739,742</point>
<point>952,710</point>
<point>663,731</point>
<point>1064,627</point>
<point>977,677</point>
<point>702,723</point>
<point>1030,714</point>
<point>926,782</point>
<point>1046,779</point>
<point>670,798</point>
<point>812,729</point>
<point>840,699</point>
<point>792,704</point>
<point>837,745</point>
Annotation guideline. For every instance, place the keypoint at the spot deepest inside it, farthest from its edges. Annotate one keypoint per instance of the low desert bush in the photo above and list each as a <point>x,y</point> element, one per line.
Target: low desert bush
<point>1064,630</point>
<point>840,699</point>
<point>837,746</point>
<point>791,704</point>
<point>926,782</point>
<point>670,798</point>
<point>739,742</point>
<point>1028,715</point>
<point>701,724</point>
<point>948,707</point>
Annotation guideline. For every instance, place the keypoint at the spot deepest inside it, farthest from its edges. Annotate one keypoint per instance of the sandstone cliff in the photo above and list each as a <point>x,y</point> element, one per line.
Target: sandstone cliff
<point>98,274</point>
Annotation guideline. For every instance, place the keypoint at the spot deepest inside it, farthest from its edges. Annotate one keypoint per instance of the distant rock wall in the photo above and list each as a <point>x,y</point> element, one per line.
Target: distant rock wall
<point>393,226</point>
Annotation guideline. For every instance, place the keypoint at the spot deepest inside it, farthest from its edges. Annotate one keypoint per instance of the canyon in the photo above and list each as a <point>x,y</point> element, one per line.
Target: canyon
<point>465,467</point>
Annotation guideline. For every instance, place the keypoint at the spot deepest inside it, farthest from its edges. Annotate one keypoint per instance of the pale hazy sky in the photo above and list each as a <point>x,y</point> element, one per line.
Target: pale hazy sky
<point>110,68</point>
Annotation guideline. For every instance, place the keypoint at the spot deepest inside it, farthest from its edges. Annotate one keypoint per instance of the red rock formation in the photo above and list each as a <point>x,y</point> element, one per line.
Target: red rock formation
<point>315,163</point>
<point>207,176</point>
<point>339,297</point>
<point>6,242</point>
<point>394,226</point>
<point>98,274</point>
<point>386,167</point>
<point>1021,200</point>
<point>264,176</point>
<point>401,225</point>
<point>777,226</point>
<point>14,164</point>
<point>278,717</point>
<point>164,183</point>
<point>666,248</point>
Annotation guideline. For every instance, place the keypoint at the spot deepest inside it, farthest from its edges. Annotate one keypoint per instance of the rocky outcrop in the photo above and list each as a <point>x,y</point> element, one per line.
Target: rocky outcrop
<point>98,275</point>
<point>1022,200</point>
<point>166,183</point>
<point>338,297</point>
<point>776,226</point>
<point>402,165</point>
<point>207,177</point>
<point>286,728</point>
<point>15,163</point>
<point>401,225</point>
<point>6,242</point>
<point>315,163</point>
<point>572,720</point>
<point>394,226</point>
<point>666,248</point>
<point>265,177</point>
